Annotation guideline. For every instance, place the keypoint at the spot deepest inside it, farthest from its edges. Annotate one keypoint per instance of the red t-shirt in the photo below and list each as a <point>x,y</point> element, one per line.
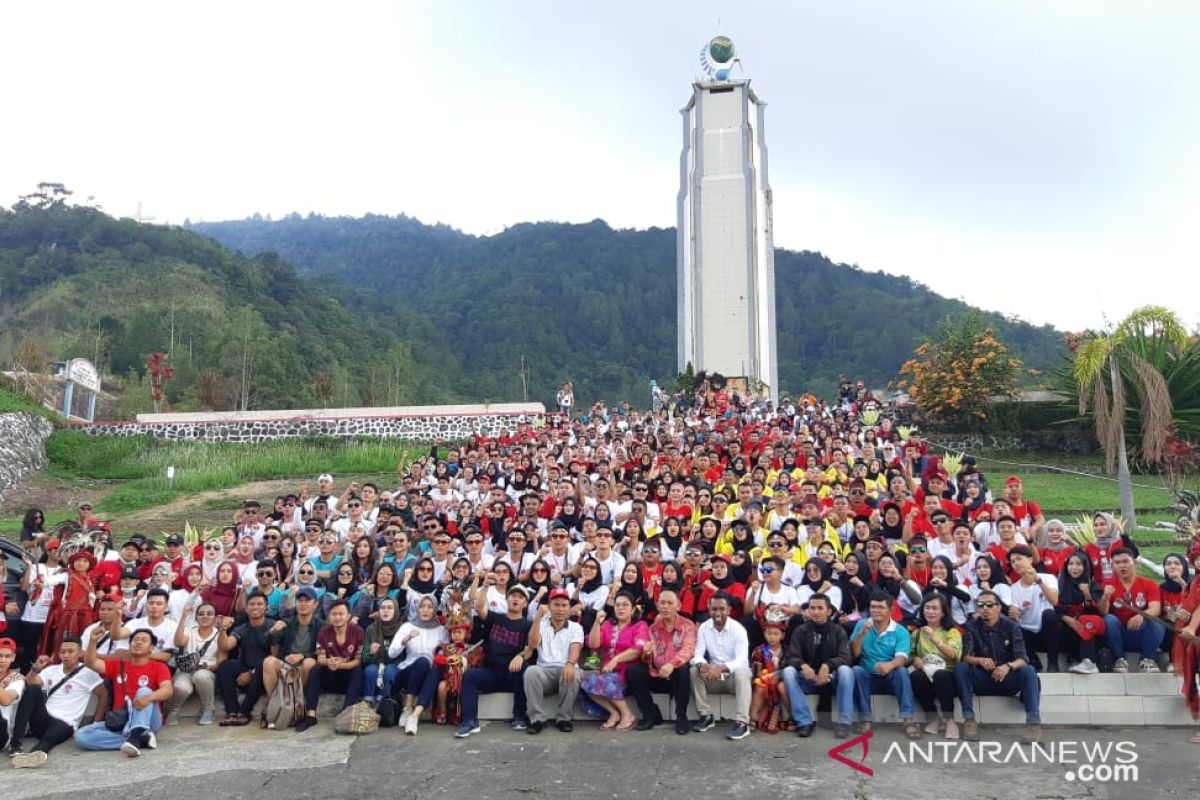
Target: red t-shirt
<point>349,649</point>
<point>1053,561</point>
<point>1025,513</point>
<point>1125,603</point>
<point>150,675</point>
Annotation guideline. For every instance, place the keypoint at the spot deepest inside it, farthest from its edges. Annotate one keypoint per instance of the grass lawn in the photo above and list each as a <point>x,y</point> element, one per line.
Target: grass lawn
<point>1061,493</point>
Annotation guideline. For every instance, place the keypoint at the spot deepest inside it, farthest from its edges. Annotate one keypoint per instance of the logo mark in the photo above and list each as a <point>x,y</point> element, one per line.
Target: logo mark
<point>836,753</point>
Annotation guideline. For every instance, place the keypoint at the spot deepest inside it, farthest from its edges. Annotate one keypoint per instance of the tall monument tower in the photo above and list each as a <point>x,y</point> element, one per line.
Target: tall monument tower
<point>724,252</point>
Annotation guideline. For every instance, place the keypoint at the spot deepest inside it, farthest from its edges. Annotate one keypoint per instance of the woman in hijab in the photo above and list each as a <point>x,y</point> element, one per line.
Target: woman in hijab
<point>225,595</point>
<point>818,578</point>
<point>570,515</point>
<point>591,593</point>
<point>341,586</point>
<point>989,575</point>
<point>890,577</point>
<point>721,579</point>
<point>670,541</point>
<point>421,585</point>
<point>1078,593</point>
<point>379,668</point>
<point>630,582</point>
<point>854,581</point>
<point>603,517</point>
<point>243,556</point>
<point>943,581</point>
<point>188,595</point>
<point>214,557</point>
<point>891,522</point>
<point>306,578</point>
<point>1172,590</point>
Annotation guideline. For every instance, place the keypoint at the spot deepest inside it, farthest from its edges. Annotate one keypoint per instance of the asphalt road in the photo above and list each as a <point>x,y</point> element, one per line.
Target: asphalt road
<point>195,763</point>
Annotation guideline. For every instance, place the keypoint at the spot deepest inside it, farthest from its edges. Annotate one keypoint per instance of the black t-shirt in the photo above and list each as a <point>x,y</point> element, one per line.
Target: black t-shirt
<point>254,643</point>
<point>504,638</point>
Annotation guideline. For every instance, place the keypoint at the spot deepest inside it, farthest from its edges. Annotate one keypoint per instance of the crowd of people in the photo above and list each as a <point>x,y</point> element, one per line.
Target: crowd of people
<point>716,545</point>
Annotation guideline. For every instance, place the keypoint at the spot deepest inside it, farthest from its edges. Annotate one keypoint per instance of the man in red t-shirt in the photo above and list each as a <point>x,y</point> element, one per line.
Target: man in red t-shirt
<point>139,684</point>
<point>1127,602</point>
<point>1027,513</point>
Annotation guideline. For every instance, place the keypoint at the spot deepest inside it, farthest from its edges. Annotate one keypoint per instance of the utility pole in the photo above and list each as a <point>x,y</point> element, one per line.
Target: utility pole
<point>524,379</point>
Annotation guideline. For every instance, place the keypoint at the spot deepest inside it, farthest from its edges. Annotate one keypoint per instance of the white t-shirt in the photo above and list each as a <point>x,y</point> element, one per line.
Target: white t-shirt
<point>611,567</point>
<point>39,610</point>
<point>555,646</point>
<point>165,631</point>
<point>195,642</point>
<point>69,703</point>
<point>181,599</point>
<point>9,711</point>
<point>938,548</point>
<point>424,645</point>
<point>1031,600</point>
<point>785,596</point>
<point>108,645</point>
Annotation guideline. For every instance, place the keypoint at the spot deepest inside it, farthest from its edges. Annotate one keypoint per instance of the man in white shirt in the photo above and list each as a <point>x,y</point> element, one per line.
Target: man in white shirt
<point>558,641</point>
<point>115,636</point>
<point>721,664</point>
<point>157,622</point>
<point>54,701</point>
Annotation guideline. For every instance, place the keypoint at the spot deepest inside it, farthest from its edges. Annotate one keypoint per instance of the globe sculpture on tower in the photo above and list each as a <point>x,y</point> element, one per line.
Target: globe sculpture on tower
<point>725,255</point>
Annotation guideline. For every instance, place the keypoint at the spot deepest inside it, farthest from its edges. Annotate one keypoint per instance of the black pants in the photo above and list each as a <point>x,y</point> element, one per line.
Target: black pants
<point>29,639</point>
<point>32,717</point>
<point>641,684</point>
<point>940,688</point>
<point>1076,648</point>
<point>227,675</point>
<point>1046,639</point>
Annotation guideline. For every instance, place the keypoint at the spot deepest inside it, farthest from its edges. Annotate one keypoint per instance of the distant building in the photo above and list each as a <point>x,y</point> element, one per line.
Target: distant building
<point>725,254</point>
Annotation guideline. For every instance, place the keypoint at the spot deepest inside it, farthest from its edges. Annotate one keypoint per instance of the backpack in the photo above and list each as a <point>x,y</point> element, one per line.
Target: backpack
<point>389,712</point>
<point>285,707</point>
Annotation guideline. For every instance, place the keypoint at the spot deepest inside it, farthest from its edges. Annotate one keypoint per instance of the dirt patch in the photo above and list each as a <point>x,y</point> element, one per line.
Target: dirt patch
<point>203,510</point>
<point>50,494</point>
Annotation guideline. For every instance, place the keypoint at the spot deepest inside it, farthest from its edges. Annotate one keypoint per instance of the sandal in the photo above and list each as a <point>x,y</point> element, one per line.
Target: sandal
<point>610,724</point>
<point>628,726</point>
<point>439,719</point>
<point>912,730</point>
<point>239,720</point>
<point>862,726</point>
<point>228,720</point>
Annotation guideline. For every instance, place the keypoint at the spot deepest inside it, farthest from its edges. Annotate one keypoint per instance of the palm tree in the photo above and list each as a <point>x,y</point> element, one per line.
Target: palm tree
<point>1107,353</point>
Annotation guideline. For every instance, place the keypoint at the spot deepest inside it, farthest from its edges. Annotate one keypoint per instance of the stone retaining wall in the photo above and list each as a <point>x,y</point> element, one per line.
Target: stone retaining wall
<point>22,447</point>
<point>433,422</point>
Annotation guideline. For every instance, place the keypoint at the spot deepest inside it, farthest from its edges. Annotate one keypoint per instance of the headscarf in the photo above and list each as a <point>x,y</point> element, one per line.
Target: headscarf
<point>636,590</point>
<point>1069,593</point>
<point>1066,541</point>
<point>532,584</point>
<point>238,557</point>
<point>1179,586</point>
<point>891,531</point>
<point>596,582</point>
<point>742,538</point>
<point>676,585</point>
<point>384,631</point>
<point>1113,534</point>
<point>183,576</point>
<point>223,596</point>
<point>728,580</point>
<point>743,572</point>
<point>333,583</point>
<point>427,624</point>
<point>826,571</point>
<point>891,585</point>
<point>420,586</point>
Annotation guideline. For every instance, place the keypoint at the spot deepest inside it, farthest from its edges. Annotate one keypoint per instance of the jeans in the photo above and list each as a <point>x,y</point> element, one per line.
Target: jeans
<point>798,687</point>
<point>973,681</point>
<point>1146,639</point>
<point>372,688</point>
<point>98,737</point>
<point>227,675</point>
<point>895,683</point>
<point>322,679</point>
<point>481,680</point>
<point>421,679</point>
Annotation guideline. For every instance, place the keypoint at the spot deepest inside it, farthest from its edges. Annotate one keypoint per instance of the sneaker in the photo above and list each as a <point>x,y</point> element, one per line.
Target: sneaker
<point>534,728</point>
<point>14,750</point>
<point>739,731</point>
<point>29,760</point>
<point>1031,734</point>
<point>840,730</point>
<point>951,729</point>
<point>149,740</point>
<point>704,723</point>
<point>172,718</point>
<point>1121,665</point>
<point>805,731</point>
<point>305,724</point>
<point>404,715</point>
<point>682,727</point>
<point>1148,665</point>
<point>410,725</point>
<point>130,749</point>
<point>970,730</point>
<point>565,725</point>
<point>467,727</point>
<point>519,724</point>
<point>1085,667</point>
<point>206,717</point>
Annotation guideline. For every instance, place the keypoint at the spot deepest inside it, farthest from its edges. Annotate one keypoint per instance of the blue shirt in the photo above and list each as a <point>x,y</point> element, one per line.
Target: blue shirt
<point>879,647</point>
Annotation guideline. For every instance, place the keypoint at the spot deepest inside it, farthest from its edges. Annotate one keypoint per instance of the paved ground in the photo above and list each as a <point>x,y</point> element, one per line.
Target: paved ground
<point>199,763</point>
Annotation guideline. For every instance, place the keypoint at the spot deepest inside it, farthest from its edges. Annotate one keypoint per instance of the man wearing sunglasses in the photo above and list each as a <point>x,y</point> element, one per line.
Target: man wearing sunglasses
<point>265,577</point>
<point>994,662</point>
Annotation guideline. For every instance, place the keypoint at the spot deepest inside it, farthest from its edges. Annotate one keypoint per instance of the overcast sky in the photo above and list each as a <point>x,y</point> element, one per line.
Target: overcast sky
<point>1035,158</point>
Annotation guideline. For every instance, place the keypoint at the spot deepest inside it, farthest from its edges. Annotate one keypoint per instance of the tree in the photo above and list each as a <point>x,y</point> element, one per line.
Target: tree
<point>1097,372</point>
<point>958,376</point>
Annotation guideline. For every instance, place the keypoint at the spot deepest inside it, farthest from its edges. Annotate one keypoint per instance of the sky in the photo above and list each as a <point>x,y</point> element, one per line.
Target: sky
<point>1041,159</point>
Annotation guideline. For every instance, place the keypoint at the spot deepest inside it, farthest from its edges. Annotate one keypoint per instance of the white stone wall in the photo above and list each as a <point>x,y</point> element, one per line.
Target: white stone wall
<point>22,447</point>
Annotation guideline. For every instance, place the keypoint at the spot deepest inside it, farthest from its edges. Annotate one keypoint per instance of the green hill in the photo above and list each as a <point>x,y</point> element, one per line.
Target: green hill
<point>597,305</point>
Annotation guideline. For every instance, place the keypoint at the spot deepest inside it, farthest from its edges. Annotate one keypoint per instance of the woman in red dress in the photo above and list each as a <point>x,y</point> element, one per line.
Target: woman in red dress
<point>75,608</point>
<point>1186,653</point>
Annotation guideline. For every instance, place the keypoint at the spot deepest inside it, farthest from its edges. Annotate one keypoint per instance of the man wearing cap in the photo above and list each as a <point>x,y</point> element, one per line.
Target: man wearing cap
<point>54,701</point>
<point>252,522</point>
<point>174,557</point>
<point>12,686</point>
<point>297,642</point>
<point>1027,513</point>
<point>324,494</point>
<point>140,684</point>
<point>507,653</point>
<point>721,665</point>
<point>559,642</point>
<point>107,574</point>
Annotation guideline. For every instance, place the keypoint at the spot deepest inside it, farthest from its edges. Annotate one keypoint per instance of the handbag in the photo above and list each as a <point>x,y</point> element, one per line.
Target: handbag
<point>190,662</point>
<point>357,719</point>
<point>116,719</point>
